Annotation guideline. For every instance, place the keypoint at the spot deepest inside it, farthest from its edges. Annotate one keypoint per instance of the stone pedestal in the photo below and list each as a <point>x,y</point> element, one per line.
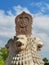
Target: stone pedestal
<point>23,49</point>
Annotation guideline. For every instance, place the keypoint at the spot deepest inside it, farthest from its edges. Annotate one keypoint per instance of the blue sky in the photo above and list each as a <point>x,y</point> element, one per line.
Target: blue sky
<point>39,9</point>
<point>33,5</point>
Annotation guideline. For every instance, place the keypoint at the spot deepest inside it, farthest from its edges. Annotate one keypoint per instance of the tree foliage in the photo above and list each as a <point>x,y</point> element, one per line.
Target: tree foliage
<point>46,61</point>
<point>3,55</point>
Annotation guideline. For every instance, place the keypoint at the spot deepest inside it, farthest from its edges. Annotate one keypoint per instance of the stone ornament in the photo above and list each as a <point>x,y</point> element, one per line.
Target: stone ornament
<point>23,49</point>
<point>23,24</point>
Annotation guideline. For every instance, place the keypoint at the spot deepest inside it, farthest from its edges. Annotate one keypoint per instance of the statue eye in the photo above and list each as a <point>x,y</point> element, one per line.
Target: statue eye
<point>17,38</point>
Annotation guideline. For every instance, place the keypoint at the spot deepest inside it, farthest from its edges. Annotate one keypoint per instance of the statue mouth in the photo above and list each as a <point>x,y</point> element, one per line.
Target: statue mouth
<point>22,27</point>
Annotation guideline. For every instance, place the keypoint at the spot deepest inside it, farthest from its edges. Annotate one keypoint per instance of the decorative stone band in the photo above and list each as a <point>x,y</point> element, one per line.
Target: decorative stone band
<point>22,59</point>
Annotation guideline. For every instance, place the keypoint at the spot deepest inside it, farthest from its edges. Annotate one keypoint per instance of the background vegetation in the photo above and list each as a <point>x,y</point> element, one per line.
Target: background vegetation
<point>3,55</point>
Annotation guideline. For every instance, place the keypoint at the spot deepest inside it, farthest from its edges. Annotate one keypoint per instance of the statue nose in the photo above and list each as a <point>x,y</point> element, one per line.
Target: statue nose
<point>19,44</point>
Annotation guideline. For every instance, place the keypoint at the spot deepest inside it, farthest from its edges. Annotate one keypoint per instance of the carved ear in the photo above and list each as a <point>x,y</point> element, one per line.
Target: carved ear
<point>38,43</point>
<point>39,46</point>
<point>9,43</point>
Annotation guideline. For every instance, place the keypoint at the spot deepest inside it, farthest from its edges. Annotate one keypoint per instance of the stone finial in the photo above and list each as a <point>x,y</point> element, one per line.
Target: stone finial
<point>23,24</point>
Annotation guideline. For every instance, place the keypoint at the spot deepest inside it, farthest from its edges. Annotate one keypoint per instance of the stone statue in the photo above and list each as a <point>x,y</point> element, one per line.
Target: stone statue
<point>23,48</point>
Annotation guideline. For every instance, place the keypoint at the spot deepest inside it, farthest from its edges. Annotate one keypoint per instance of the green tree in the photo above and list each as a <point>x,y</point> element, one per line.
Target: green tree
<point>1,62</point>
<point>3,55</point>
<point>46,61</point>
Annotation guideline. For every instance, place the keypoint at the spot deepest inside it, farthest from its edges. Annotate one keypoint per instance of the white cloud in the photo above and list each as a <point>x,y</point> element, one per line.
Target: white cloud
<point>47,6</point>
<point>6,24</point>
<point>41,22</point>
<point>10,13</point>
<point>7,33</point>
<point>20,9</point>
<point>1,43</point>
<point>42,7</point>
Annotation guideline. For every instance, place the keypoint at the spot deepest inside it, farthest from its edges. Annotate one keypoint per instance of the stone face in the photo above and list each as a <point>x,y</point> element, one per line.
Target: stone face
<point>23,24</point>
<point>23,49</point>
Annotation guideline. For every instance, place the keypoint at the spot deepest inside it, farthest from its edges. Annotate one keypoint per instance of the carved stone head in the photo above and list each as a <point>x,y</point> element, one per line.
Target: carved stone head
<point>23,24</point>
<point>38,44</point>
<point>20,43</point>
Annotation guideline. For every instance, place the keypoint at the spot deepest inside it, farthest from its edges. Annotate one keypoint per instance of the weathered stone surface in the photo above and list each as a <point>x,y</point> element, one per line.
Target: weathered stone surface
<point>23,24</point>
<point>23,49</point>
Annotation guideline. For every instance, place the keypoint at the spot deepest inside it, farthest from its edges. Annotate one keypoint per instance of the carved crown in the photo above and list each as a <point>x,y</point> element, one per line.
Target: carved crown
<point>23,24</point>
